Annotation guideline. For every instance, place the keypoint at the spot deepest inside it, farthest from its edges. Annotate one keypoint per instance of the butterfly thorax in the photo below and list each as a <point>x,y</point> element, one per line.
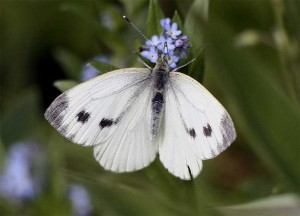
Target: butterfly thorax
<point>160,76</point>
<point>161,64</point>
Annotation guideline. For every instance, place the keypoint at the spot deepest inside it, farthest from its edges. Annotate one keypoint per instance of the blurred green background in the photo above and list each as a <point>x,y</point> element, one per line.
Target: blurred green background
<point>251,65</point>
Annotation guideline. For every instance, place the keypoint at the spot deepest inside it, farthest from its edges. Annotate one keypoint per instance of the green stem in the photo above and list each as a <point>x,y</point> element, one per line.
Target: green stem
<point>284,51</point>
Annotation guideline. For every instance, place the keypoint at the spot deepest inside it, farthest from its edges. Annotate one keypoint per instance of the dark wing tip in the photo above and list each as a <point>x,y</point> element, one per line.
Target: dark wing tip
<point>53,113</point>
<point>229,134</point>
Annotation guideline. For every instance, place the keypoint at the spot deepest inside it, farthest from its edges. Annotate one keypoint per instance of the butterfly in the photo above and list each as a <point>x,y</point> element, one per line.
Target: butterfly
<point>130,115</point>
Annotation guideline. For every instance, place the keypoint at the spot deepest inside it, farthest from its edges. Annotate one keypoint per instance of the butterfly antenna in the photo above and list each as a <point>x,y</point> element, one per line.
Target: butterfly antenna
<point>184,65</point>
<point>144,63</point>
<point>137,29</point>
<point>191,60</point>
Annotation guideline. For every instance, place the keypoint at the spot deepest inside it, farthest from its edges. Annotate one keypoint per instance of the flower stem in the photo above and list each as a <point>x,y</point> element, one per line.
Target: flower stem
<point>290,78</point>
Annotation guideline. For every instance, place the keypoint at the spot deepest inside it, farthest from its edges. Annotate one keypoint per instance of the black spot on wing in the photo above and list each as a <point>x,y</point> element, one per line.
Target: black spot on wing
<point>53,113</point>
<point>192,132</point>
<point>83,116</point>
<point>207,130</point>
<point>106,123</point>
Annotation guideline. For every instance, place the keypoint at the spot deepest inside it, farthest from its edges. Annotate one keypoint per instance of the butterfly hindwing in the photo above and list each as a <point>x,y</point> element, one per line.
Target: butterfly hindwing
<point>175,150</point>
<point>129,147</point>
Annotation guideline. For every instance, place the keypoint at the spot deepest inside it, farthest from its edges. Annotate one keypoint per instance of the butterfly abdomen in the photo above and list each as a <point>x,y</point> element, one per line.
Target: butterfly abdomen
<point>158,101</point>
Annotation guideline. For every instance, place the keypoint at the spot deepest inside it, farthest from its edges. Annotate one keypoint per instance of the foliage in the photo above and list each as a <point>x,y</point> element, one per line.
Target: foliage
<point>247,55</point>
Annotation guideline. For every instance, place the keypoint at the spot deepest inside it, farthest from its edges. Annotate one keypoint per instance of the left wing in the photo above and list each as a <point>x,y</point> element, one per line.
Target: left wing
<point>112,113</point>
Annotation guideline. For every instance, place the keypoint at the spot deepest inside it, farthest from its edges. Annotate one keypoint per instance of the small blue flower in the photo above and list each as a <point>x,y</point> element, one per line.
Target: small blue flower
<point>107,20</point>
<point>173,32</point>
<point>182,46</point>
<point>155,41</point>
<point>166,23</point>
<point>151,54</point>
<point>169,42</point>
<point>80,200</point>
<point>17,181</point>
<point>89,71</point>
<point>172,59</point>
<point>182,41</point>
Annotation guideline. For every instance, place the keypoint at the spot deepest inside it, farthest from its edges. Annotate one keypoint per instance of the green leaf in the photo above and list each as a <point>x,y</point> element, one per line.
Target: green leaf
<point>269,122</point>
<point>82,13</point>
<point>196,69</point>
<point>280,205</point>
<point>197,15</point>
<point>70,62</point>
<point>154,16</point>
<point>64,85</point>
<point>176,18</point>
<point>21,119</point>
<point>103,67</point>
<point>134,9</point>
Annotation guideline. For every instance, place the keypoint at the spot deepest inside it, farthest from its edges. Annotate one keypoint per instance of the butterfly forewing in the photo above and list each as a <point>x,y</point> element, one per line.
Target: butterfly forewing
<point>77,113</point>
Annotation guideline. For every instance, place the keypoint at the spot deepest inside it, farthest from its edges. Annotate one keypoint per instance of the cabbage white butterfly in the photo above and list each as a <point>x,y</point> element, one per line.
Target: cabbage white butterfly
<point>129,115</point>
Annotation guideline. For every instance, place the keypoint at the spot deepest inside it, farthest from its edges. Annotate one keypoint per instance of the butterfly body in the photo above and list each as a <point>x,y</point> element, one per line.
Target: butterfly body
<point>160,78</point>
<point>130,115</point>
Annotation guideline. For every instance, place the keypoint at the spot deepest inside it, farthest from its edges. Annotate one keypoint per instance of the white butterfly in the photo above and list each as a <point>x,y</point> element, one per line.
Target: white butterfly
<point>130,115</point>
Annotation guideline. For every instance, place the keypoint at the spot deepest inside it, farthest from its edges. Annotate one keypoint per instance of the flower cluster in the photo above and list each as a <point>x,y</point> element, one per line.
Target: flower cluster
<point>17,181</point>
<point>177,44</point>
<point>24,176</point>
<point>80,200</point>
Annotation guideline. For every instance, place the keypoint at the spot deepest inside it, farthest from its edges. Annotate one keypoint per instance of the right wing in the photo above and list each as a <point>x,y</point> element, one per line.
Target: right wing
<point>196,127</point>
